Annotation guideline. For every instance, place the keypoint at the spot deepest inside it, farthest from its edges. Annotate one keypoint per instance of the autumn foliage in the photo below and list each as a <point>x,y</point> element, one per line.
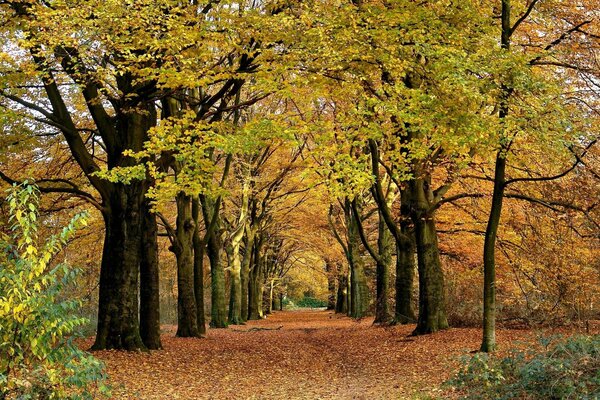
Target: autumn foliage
<point>431,164</point>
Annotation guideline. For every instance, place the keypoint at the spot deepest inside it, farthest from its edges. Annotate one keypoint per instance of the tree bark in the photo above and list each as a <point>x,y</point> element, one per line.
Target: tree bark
<point>331,270</point>
<point>118,314</point>
<point>341,303</point>
<point>255,292</point>
<point>405,267</point>
<point>149,282</point>
<point>218,310</point>
<point>245,273</point>
<point>359,291</point>
<point>269,301</point>
<point>404,312</point>
<point>218,314</point>
<point>199,246</point>
<point>384,244</point>
<point>235,270</point>
<point>187,322</point>
<point>432,308</point>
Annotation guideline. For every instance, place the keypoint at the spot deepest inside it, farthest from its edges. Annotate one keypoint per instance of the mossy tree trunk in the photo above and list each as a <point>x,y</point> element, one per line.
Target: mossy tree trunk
<point>245,273</point>
<point>199,247</point>
<point>404,312</point>
<point>118,313</point>
<point>359,291</point>
<point>432,308</point>
<point>331,270</point>
<point>218,310</point>
<point>385,246</point>
<point>187,315</point>
<point>149,282</point>
<point>124,215</point>
<point>255,291</point>
<point>235,269</point>
<point>341,301</point>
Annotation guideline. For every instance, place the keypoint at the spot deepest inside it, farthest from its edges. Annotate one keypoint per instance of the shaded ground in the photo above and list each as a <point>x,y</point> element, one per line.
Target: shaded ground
<point>303,355</point>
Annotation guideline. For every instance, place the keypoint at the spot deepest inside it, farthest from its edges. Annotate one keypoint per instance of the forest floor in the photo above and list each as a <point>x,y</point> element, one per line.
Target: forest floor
<point>299,355</point>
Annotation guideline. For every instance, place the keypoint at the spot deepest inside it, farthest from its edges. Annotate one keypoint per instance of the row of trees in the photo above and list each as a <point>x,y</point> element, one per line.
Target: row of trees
<point>210,123</point>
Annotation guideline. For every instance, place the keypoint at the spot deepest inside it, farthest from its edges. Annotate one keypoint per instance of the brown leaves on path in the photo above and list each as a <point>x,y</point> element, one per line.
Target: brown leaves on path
<point>296,355</point>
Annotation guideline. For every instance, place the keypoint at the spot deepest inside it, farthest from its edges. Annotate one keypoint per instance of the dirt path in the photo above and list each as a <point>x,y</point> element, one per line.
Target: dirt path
<point>312,355</point>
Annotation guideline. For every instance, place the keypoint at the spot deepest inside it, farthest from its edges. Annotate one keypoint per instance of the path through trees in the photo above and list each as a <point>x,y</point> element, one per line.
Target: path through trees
<point>300,355</point>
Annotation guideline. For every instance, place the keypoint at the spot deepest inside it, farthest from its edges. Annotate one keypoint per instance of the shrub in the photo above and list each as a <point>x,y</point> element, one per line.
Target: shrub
<point>565,369</point>
<point>38,358</point>
<point>311,302</point>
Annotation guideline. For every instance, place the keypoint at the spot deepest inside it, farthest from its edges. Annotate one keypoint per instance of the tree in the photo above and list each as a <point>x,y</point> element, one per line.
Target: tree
<point>511,87</point>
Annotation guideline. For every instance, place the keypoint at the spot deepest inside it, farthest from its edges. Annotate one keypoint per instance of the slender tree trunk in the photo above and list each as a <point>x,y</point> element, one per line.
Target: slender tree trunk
<point>488,343</point>
<point>235,270</point>
<point>235,289</point>
<point>404,312</point>
<point>281,301</point>
<point>255,299</point>
<point>275,306</point>
<point>235,294</point>
<point>432,308</point>
<point>384,244</point>
<point>198,269</point>
<point>218,310</point>
<point>187,318</point>
<point>269,301</point>
<point>149,282</point>
<point>359,291</point>
<point>489,258</point>
<point>348,291</point>
<point>217,273</point>
<point>331,270</point>
<point>118,313</point>
<point>405,267</point>
<point>245,273</point>
<point>341,304</point>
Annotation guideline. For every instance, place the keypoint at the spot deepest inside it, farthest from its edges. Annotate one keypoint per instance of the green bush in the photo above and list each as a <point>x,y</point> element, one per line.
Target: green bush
<point>311,302</point>
<point>565,369</point>
<point>38,358</point>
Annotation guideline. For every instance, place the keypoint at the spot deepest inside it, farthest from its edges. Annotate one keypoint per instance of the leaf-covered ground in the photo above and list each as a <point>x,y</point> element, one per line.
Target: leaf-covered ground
<point>298,355</point>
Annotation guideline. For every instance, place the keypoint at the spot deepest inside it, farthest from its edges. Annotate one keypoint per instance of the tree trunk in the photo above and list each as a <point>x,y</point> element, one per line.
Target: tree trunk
<point>218,312</point>
<point>488,343</point>
<point>359,291</point>
<point>187,318</point>
<point>341,304</point>
<point>348,291</point>
<point>404,312</point>
<point>405,267</point>
<point>432,308</point>
<point>245,274</point>
<point>118,314</point>
<point>255,298</point>
<point>489,258</point>
<point>235,294</point>
<point>235,269</point>
<point>198,269</point>
<point>218,309</point>
<point>384,244</point>
<point>281,301</point>
<point>331,270</point>
<point>149,282</point>
<point>271,292</point>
